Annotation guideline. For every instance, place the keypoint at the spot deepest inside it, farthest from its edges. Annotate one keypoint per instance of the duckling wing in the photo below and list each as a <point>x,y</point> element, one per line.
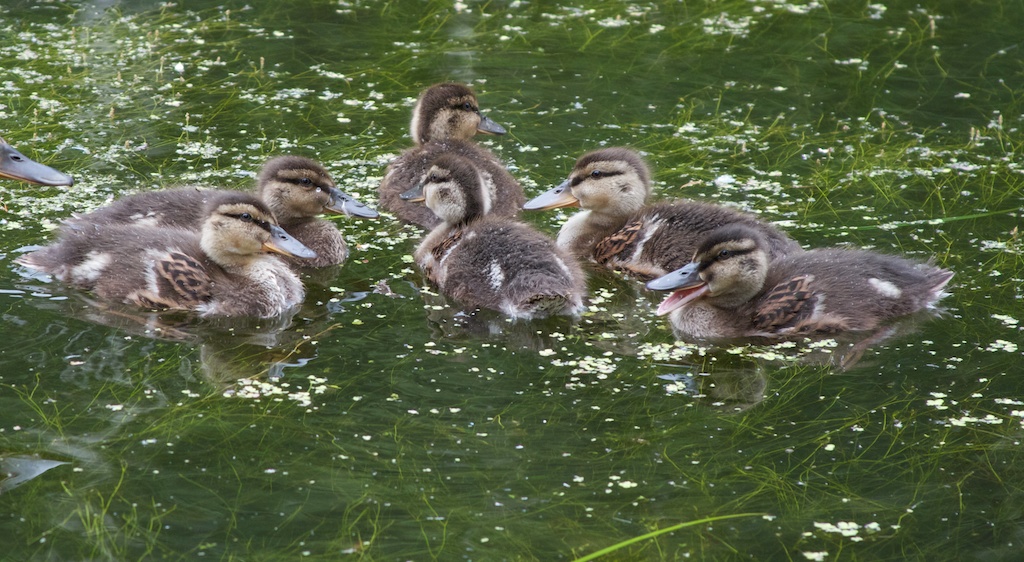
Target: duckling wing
<point>787,306</point>
<point>430,260</point>
<point>177,281</point>
<point>617,242</point>
<point>446,245</point>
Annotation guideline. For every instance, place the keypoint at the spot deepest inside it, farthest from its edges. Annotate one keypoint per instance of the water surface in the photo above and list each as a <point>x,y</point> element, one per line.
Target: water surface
<point>381,426</point>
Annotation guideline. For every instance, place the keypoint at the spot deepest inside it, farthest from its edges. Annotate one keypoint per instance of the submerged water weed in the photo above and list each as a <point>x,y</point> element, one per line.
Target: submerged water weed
<point>402,433</point>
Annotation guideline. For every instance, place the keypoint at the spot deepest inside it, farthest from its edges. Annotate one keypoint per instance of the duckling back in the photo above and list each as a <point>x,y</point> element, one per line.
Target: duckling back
<point>176,208</point>
<point>297,189</point>
<point>832,290</point>
<point>663,237</point>
<point>504,265</point>
<point>164,268</point>
<point>221,270</point>
<point>732,288</point>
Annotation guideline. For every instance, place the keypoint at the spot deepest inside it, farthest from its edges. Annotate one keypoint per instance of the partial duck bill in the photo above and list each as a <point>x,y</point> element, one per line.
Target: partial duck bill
<point>686,286</point>
<point>558,196</point>
<point>344,204</point>
<point>16,166</point>
<point>488,127</point>
<point>283,243</point>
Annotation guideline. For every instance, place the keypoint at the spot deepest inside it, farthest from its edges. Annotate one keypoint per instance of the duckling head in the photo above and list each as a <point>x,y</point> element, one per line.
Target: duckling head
<point>452,189</point>
<point>728,269</point>
<point>16,166</point>
<point>611,181</point>
<point>297,188</point>
<point>239,226</point>
<point>449,111</point>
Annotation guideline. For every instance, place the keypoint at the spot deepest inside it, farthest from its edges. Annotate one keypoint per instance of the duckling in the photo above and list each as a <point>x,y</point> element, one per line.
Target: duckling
<point>296,189</point>
<point>490,261</point>
<point>733,288</point>
<point>445,119</point>
<point>619,230</point>
<point>220,271</point>
<point>16,166</point>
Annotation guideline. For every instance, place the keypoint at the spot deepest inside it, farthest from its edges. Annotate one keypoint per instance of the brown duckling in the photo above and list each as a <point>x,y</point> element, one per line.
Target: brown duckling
<point>16,166</point>
<point>445,119</point>
<point>296,189</point>
<point>620,231</point>
<point>733,288</point>
<point>222,270</point>
<point>491,261</point>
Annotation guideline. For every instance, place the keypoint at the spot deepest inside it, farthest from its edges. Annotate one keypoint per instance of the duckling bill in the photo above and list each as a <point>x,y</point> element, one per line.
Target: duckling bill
<point>16,166</point>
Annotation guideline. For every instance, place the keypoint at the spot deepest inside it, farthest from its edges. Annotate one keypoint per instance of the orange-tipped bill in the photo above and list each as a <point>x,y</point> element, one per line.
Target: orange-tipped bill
<point>414,195</point>
<point>283,243</point>
<point>686,286</point>
<point>558,196</point>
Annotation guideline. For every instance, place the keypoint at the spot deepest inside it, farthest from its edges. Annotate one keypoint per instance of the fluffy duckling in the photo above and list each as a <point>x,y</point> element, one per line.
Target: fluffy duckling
<point>445,119</point>
<point>220,271</point>
<point>733,288</point>
<point>296,189</point>
<point>16,166</point>
<point>620,231</point>
<point>491,261</point>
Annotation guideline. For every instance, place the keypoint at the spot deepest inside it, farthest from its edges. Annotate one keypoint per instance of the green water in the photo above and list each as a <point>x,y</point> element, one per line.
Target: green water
<point>380,427</point>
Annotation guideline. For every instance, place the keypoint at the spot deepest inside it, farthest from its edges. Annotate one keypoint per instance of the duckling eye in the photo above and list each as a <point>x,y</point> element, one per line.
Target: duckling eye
<point>468,106</point>
<point>246,217</point>
<point>305,181</point>
<point>724,254</point>
<point>596,174</point>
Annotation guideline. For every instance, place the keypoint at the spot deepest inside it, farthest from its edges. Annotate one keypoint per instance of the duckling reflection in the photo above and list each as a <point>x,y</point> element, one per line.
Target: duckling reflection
<point>616,227</point>
<point>18,469</point>
<point>444,120</point>
<point>230,348</point>
<point>727,388</point>
<point>452,321</point>
<point>16,166</point>
<point>224,362</point>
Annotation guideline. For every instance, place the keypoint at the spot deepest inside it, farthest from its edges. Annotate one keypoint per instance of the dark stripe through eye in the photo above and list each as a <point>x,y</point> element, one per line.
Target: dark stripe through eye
<point>730,253</point>
<point>247,217</point>
<point>596,174</point>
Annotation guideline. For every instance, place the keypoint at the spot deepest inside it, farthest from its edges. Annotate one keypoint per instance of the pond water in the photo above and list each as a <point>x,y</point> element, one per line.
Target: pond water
<point>388,427</point>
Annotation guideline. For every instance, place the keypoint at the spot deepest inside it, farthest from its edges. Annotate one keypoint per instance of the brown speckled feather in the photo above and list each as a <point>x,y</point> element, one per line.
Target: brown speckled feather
<point>447,244</point>
<point>618,243</point>
<point>669,233</point>
<point>786,304</point>
<point>186,277</point>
